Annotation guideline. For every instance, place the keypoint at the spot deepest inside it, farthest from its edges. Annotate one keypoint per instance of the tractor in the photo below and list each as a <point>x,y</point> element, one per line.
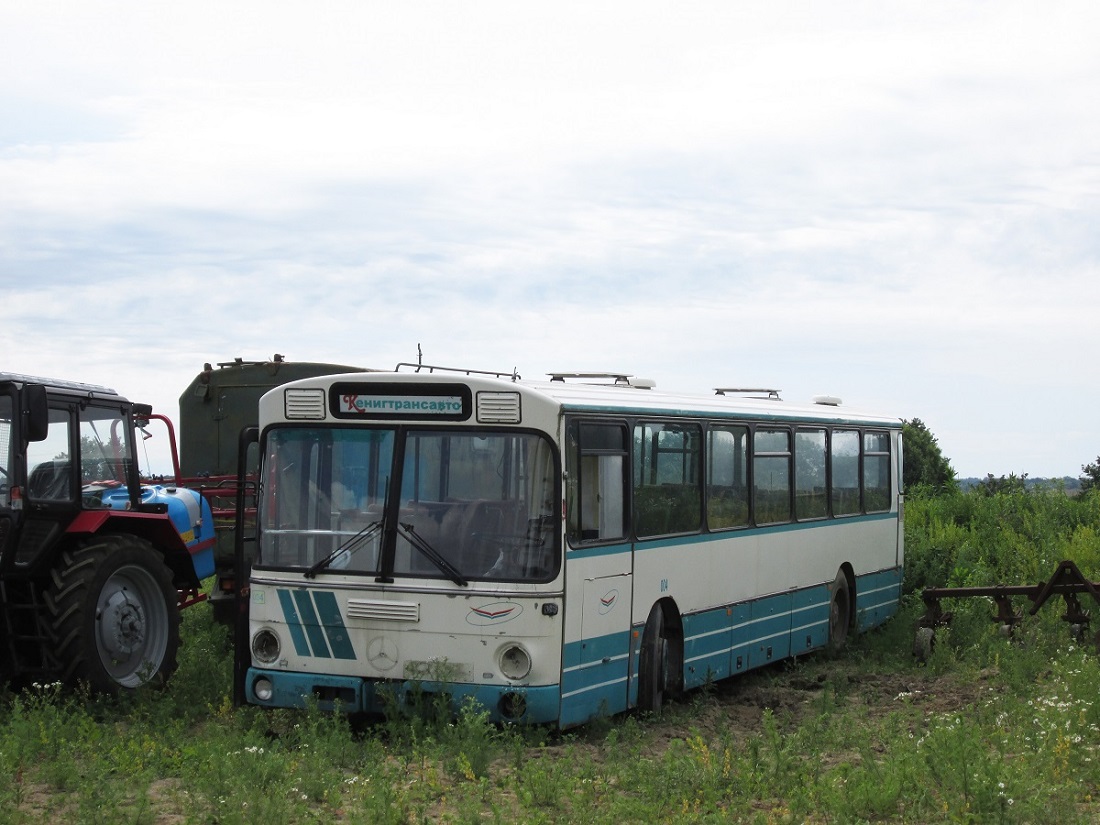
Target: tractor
<point>94,564</point>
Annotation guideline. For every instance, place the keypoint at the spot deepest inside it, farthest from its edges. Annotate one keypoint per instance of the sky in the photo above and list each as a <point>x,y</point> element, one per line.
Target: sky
<point>896,203</point>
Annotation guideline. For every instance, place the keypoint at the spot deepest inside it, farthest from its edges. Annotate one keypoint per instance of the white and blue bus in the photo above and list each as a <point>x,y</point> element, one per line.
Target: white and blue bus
<point>558,550</point>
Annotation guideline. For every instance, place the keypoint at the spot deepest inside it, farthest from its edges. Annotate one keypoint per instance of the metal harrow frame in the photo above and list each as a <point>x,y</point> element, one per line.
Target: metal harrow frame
<point>1067,582</point>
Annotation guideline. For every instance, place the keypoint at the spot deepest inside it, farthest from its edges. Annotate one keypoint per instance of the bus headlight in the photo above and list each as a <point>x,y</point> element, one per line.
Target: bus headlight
<point>515,663</point>
<point>265,646</point>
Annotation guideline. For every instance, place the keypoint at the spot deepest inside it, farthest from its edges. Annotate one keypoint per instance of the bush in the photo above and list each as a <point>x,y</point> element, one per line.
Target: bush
<point>998,536</point>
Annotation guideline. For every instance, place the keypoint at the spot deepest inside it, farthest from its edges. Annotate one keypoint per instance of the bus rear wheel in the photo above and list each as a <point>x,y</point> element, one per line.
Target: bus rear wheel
<point>840,612</point>
<point>660,664</point>
<point>114,614</point>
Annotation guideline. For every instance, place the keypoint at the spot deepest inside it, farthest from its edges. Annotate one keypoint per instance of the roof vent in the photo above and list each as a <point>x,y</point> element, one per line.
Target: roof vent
<point>827,400</point>
<point>751,392</point>
<point>304,404</point>
<point>498,408</point>
<point>617,379</point>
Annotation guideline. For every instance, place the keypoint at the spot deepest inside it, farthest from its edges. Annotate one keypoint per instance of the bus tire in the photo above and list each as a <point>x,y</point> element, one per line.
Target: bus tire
<point>659,668</point>
<point>840,612</point>
<point>114,614</point>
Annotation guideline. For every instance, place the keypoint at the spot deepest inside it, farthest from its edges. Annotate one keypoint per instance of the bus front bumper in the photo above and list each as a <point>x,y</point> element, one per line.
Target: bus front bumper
<point>351,694</point>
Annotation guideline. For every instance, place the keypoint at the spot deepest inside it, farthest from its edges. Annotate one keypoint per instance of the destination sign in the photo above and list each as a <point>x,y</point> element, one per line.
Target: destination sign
<point>391,400</point>
<point>411,405</point>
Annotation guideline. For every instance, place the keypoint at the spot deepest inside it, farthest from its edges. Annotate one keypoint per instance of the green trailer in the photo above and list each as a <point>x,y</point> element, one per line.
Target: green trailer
<point>221,401</point>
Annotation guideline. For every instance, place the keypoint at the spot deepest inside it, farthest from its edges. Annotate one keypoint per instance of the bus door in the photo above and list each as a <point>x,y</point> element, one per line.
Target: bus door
<point>900,487</point>
<point>596,665</point>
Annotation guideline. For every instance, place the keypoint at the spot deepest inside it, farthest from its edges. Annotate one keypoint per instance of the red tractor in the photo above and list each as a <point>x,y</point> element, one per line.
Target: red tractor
<point>94,565</point>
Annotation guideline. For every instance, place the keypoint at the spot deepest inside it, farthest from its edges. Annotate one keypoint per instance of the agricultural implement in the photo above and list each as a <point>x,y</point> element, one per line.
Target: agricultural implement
<point>1067,582</point>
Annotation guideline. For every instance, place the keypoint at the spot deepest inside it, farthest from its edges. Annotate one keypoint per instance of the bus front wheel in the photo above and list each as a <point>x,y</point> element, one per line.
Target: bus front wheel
<point>660,665</point>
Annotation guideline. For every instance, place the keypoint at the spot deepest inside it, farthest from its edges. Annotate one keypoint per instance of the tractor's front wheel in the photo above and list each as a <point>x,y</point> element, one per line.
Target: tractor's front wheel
<point>114,614</point>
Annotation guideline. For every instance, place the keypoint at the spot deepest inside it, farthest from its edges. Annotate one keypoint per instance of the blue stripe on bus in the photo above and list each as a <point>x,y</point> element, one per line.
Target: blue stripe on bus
<point>707,642</point>
<point>595,677</point>
<point>734,638</point>
<point>731,639</point>
<point>315,624</point>
<point>877,596</point>
<point>594,551</point>
<point>679,541</point>
<point>314,631</point>
<point>809,618</point>
<point>301,690</point>
<point>598,550</point>
<point>333,623</point>
<point>587,651</point>
<point>293,623</point>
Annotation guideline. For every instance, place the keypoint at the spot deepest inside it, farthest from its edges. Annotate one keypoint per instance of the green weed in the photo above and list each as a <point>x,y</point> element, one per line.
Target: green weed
<point>992,728</point>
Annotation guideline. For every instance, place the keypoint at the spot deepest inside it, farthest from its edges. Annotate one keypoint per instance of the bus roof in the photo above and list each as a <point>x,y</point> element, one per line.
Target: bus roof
<point>626,397</point>
<point>630,400</point>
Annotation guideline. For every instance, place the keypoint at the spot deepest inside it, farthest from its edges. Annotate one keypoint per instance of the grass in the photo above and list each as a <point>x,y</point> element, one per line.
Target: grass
<point>990,729</point>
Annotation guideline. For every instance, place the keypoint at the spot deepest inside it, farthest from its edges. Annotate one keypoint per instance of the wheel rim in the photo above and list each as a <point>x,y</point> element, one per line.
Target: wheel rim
<point>131,626</point>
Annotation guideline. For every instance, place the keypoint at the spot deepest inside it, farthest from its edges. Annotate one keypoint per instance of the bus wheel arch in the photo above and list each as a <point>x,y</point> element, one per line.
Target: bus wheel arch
<point>661,663</point>
<point>842,596</point>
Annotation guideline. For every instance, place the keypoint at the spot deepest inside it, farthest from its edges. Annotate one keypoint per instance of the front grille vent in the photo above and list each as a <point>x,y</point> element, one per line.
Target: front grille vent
<point>383,610</point>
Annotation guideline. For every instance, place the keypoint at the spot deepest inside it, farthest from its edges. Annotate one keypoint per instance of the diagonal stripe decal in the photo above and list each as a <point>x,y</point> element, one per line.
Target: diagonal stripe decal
<point>303,599</point>
<point>333,624</point>
<point>293,623</point>
<point>315,625</point>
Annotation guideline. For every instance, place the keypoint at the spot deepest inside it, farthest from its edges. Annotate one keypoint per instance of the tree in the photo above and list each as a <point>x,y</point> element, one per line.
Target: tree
<point>1012,483</point>
<point>1091,478</point>
<point>925,464</point>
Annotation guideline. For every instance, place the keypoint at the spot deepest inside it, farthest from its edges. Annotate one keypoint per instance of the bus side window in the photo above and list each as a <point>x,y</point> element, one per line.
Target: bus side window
<point>844,454</point>
<point>727,477</point>
<point>810,491</point>
<point>876,471</point>
<point>668,461</point>
<point>771,474</point>
<point>596,508</point>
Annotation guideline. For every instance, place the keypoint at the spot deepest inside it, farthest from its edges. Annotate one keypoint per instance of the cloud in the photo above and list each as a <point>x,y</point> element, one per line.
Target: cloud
<point>894,205</point>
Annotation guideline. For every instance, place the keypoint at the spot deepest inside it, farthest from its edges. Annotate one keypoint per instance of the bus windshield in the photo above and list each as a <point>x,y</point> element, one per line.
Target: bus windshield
<point>454,505</point>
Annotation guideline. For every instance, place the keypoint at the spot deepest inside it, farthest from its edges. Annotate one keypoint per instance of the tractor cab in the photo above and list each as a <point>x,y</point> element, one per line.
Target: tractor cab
<point>66,448</point>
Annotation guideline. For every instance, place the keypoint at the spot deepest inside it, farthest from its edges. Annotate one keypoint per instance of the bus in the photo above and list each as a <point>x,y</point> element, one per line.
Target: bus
<point>558,550</point>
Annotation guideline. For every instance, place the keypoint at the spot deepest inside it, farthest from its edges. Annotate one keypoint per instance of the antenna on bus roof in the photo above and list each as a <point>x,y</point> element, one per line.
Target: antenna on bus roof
<point>769,395</point>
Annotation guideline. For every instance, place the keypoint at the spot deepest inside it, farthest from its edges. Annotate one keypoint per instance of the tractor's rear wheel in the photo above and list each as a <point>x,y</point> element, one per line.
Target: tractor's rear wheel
<point>114,614</point>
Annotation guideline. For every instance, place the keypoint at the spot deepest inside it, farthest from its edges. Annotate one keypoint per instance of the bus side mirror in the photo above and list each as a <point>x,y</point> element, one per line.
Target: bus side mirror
<point>36,412</point>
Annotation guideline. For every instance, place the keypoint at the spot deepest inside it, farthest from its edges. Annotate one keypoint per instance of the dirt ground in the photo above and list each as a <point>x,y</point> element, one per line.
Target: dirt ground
<point>792,694</point>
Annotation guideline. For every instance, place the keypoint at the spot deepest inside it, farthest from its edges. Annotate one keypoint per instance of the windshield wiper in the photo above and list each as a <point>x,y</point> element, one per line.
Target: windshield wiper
<point>433,555</point>
<point>349,546</point>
